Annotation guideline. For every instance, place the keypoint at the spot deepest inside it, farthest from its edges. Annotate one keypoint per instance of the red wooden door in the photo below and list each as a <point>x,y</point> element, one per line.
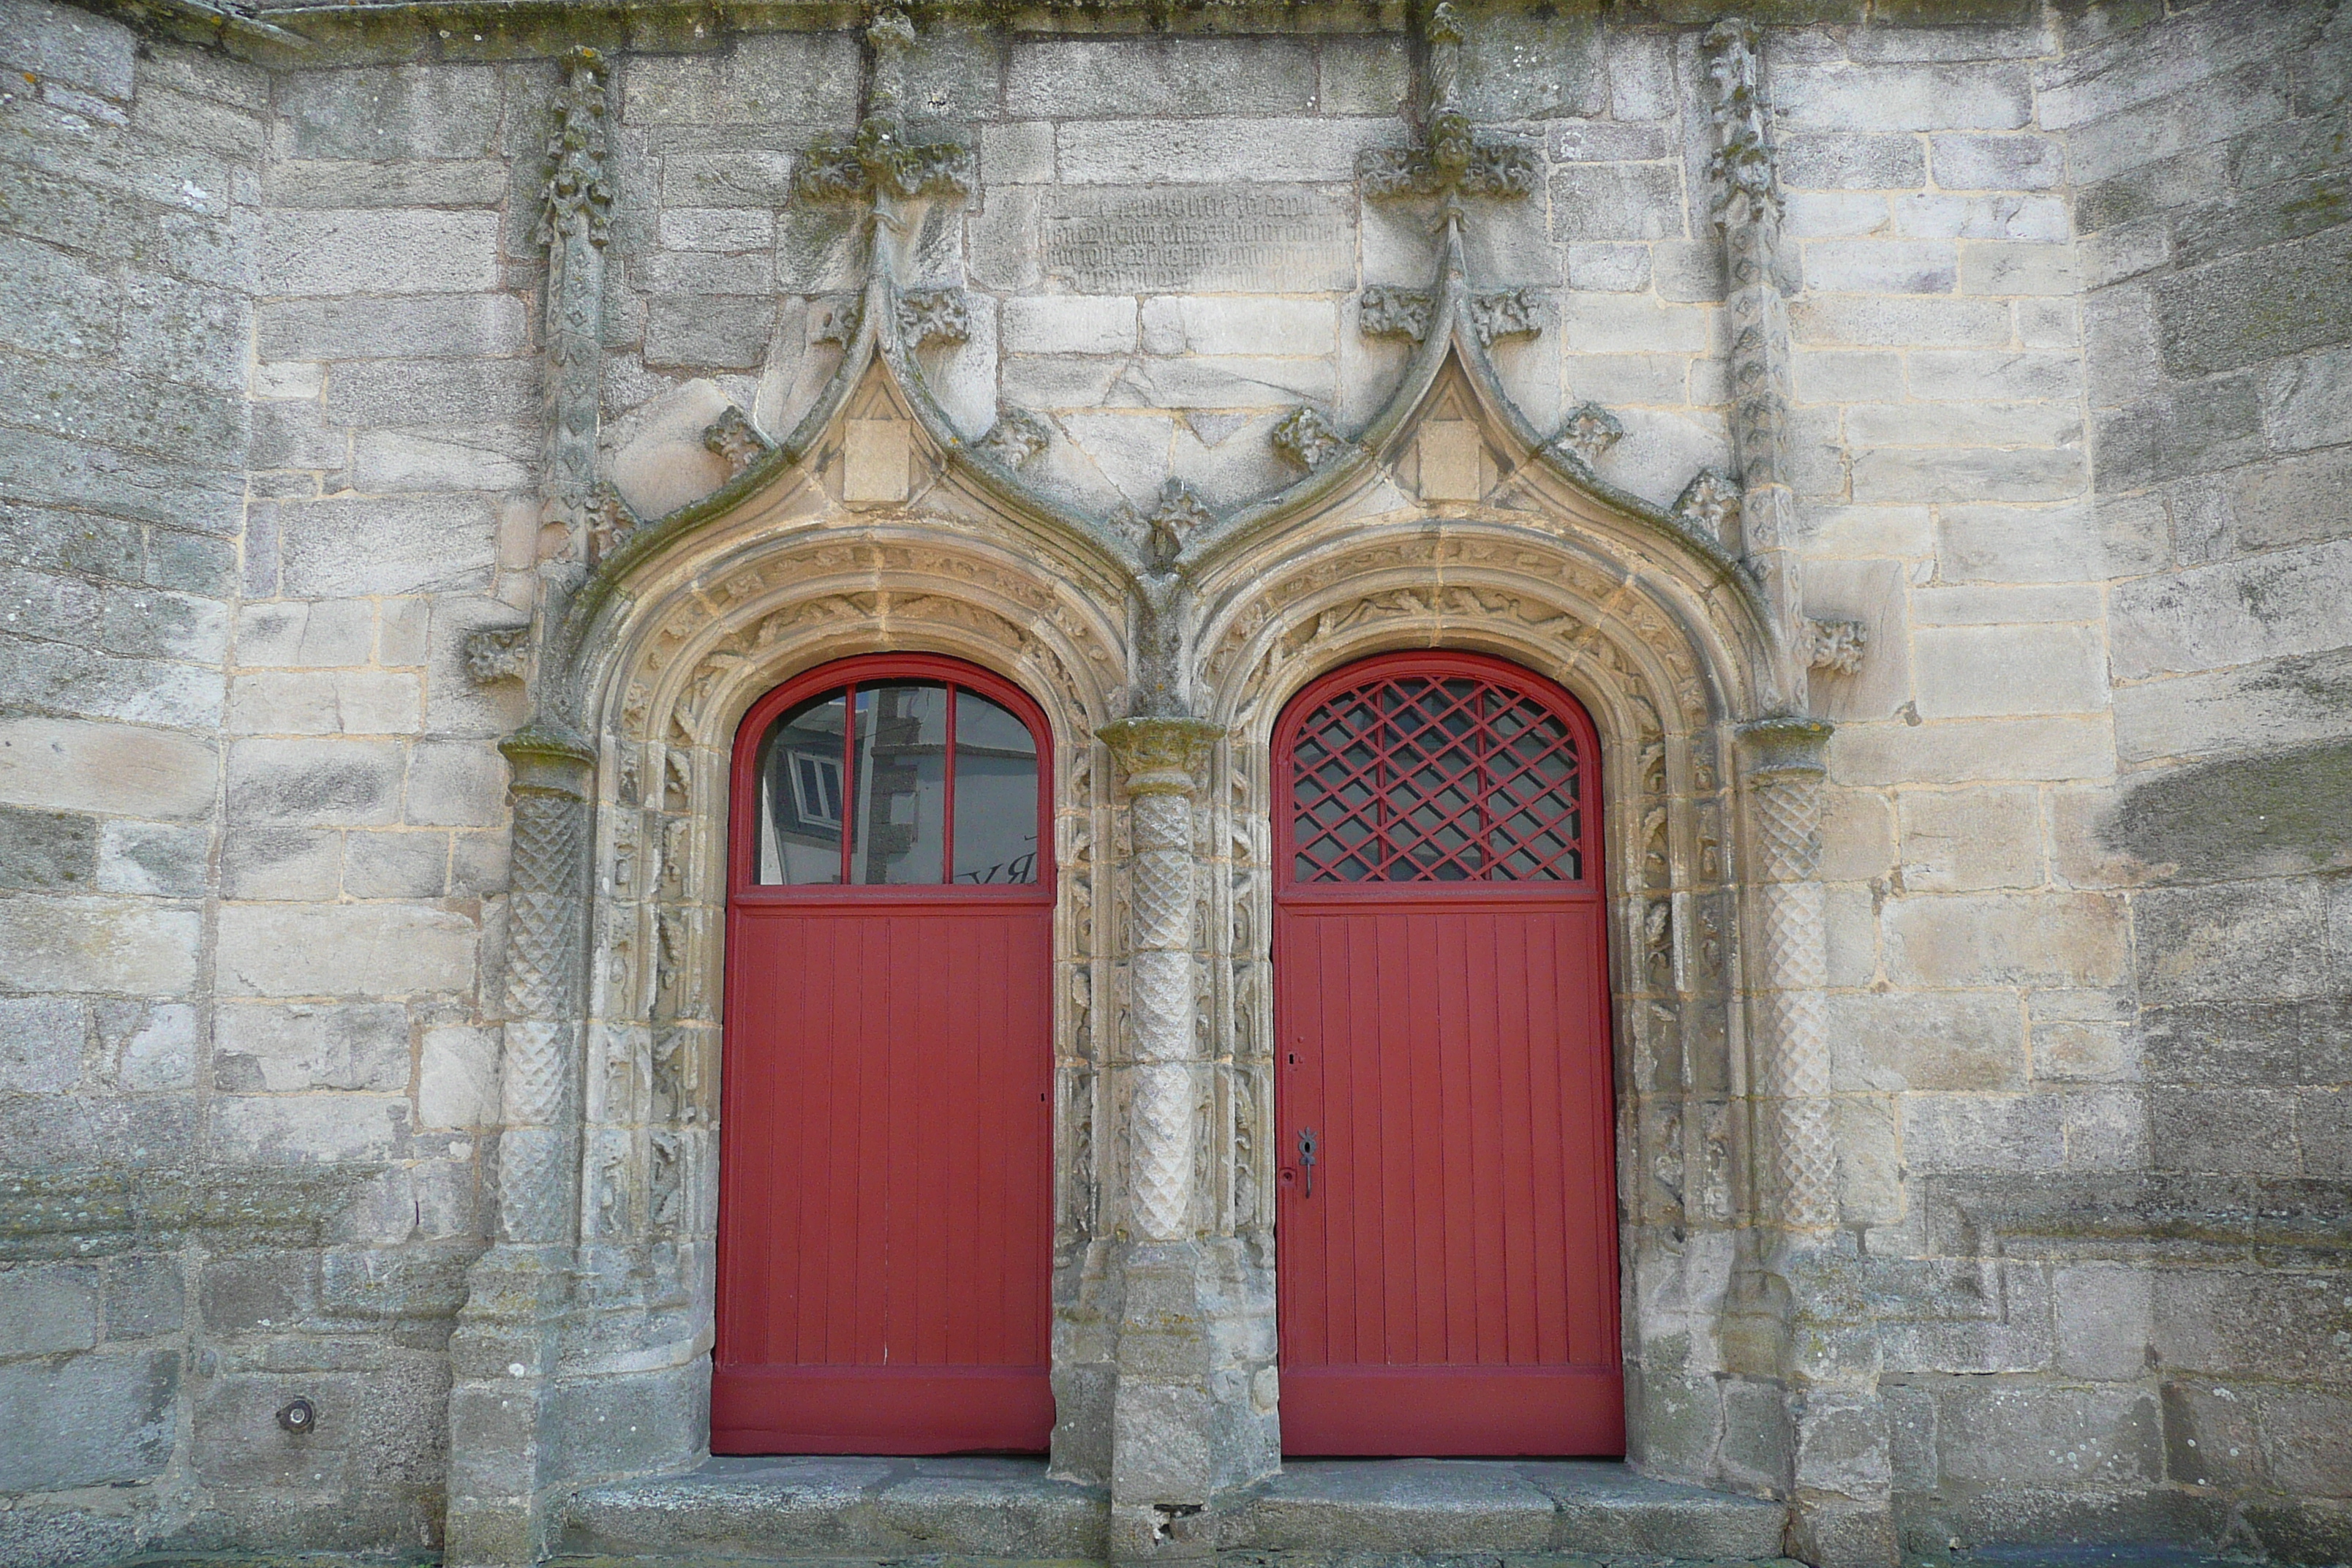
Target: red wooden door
<point>1448,1246</point>
<point>885,1211</point>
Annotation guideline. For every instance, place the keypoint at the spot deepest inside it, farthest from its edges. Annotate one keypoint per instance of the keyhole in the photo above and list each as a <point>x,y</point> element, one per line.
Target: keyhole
<point>1294,1058</point>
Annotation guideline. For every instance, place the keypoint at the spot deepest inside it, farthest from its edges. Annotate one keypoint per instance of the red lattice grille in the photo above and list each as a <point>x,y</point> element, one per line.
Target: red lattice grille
<point>1423,778</point>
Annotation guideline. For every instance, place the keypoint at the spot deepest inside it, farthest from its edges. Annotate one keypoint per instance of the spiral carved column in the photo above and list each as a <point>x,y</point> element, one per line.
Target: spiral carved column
<point>1162,1416</point>
<point>504,1353</point>
<point>1792,1061</point>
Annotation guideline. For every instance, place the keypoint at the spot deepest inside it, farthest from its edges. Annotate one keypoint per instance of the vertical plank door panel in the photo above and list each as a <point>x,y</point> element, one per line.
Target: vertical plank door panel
<point>1449,1286</point>
<point>886,1134</point>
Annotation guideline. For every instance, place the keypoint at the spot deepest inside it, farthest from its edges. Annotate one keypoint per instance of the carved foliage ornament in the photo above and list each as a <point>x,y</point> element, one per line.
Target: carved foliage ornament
<point>497,653</point>
<point>734,438</point>
<point>1387,312</point>
<point>1508,314</point>
<point>1742,161</point>
<point>1015,437</point>
<point>1588,433</point>
<point>1306,438</point>
<point>1836,646</point>
<point>1710,503</point>
<point>934,315</point>
<point>1160,533</point>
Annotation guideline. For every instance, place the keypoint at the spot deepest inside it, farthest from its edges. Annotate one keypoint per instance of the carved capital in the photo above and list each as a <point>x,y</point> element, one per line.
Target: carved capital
<point>497,653</point>
<point>1157,756</point>
<point>549,761</point>
<point>1588,433</point>
<point>1306,438</point>
<point>1836,646</point>
<point>1786,745</point>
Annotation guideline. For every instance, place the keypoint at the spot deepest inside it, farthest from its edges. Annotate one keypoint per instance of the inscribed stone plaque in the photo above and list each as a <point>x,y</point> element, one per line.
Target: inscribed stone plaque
<point>1288,239</point>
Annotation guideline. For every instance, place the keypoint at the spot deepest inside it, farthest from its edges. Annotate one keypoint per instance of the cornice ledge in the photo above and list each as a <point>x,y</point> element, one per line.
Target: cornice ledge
<point>1785,743</point>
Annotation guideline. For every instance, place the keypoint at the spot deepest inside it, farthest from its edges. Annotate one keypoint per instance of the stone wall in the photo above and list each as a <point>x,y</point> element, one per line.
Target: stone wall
<point>2071,440</point>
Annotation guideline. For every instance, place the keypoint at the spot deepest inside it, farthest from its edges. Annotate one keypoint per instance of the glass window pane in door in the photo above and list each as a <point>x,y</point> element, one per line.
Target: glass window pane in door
<point>997,796</point>
<point>801,794</point>
<point>898,828</point>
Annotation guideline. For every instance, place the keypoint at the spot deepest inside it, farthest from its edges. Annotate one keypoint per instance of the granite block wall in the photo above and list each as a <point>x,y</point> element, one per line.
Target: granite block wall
<point>2072,349</point>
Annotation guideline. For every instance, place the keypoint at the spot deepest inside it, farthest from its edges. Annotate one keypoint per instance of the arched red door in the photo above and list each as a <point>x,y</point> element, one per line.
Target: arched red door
<point>885,1210</point>
<point>1447,1227</point>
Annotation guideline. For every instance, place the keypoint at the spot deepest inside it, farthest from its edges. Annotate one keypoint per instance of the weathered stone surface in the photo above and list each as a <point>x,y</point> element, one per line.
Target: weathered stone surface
<point>103,1417</point>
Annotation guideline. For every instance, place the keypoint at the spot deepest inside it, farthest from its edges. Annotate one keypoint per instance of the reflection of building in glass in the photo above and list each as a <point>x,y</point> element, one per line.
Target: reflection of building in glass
<point>883,764</point>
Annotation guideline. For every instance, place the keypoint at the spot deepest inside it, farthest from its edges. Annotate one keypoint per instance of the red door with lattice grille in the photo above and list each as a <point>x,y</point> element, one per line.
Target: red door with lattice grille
<point>885,1215</point>
<point>1448,1248</point>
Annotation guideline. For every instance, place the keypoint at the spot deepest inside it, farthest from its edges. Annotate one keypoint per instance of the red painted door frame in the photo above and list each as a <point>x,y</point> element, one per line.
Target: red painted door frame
<point>1450,1285</point>
<point>885,1205</point>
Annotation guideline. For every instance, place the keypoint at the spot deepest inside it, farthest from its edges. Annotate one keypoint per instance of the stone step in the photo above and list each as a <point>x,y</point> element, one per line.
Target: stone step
<point>852,1510</point>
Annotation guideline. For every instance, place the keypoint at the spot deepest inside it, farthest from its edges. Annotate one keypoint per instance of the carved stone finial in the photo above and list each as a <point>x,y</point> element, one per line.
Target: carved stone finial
<point>1451,160</point>
<point>734,438</point>
<point>1742,161</point>
<point>883,159</point>
<point>1015,437</point>
<point>1836,646</point>
<point>1387,312</point>
<point>1160,533</point>
<point>933,315</point>
<point>497,653</point>
<point>1510,313</point>
<point>577,198</point>
<point>1588,433</point>
<point>1710,503</point>
<point>1306,438</point>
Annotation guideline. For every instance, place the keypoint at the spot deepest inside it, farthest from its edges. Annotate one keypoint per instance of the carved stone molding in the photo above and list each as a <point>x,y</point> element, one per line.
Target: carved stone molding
<point>1589,433</point>
<point>733,436</point>
<point>1306,438</point>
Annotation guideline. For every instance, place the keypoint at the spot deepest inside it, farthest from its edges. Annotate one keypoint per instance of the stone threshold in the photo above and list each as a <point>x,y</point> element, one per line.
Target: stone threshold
<point>1007,1511</point>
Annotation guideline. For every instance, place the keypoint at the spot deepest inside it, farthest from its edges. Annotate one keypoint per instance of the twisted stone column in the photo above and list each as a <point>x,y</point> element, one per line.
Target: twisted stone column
<point>504,1353</point>
<point>1163,1464</point>
<point>1793,1058</point>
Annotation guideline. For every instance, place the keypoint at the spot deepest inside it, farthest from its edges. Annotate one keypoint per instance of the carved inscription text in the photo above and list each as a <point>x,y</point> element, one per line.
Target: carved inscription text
<point>1124,241</point>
